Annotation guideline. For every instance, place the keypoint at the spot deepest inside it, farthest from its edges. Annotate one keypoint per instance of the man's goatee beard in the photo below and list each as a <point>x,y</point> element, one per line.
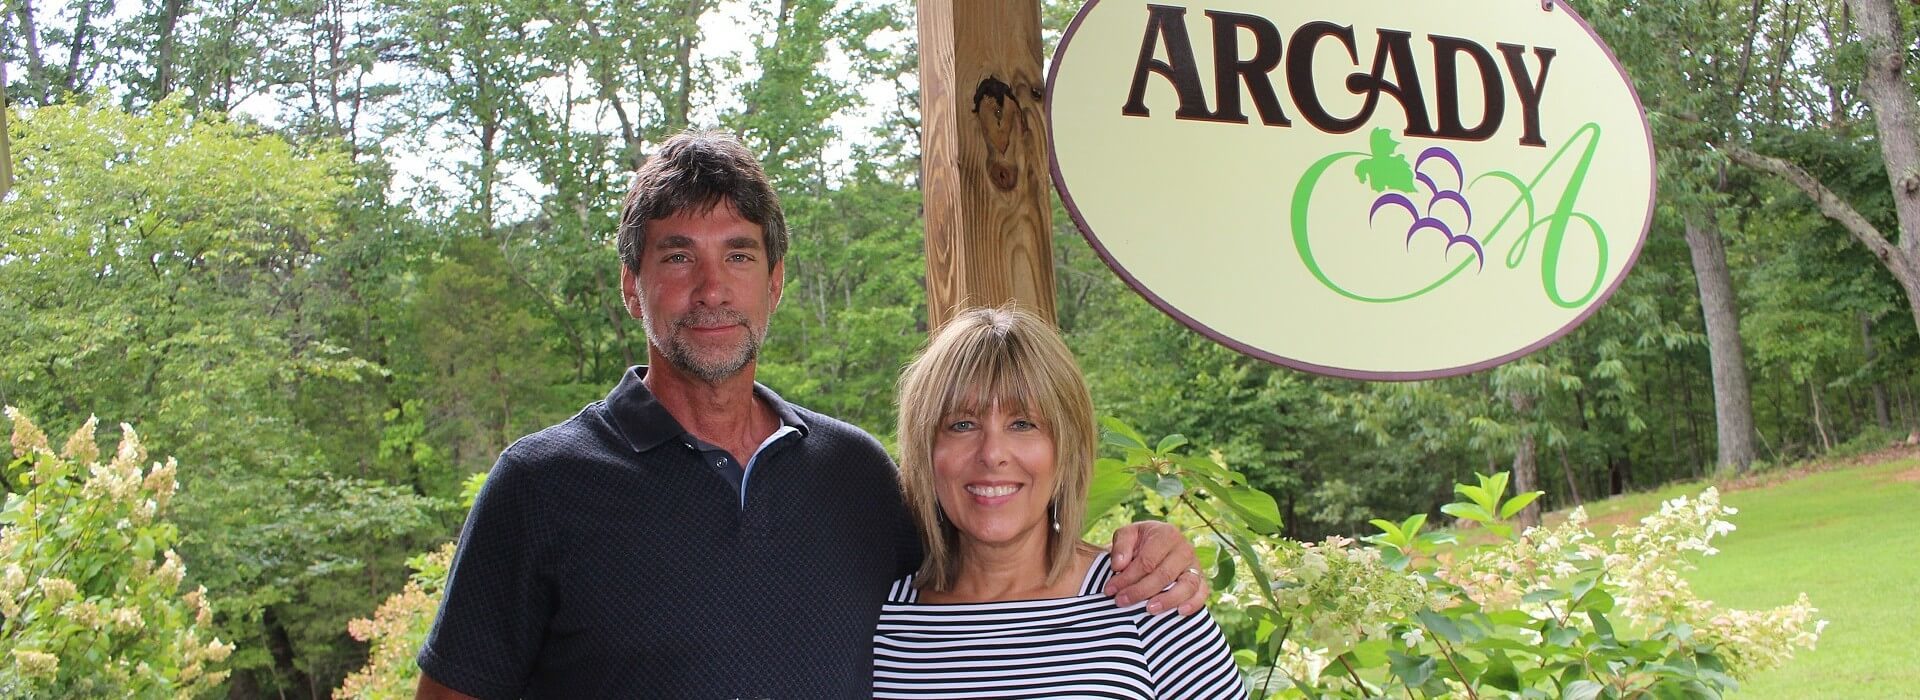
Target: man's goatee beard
<point>682,357</point>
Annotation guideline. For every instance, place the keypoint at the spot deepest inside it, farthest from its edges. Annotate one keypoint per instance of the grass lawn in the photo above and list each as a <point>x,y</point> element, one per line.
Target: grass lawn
<point>1849,538</point>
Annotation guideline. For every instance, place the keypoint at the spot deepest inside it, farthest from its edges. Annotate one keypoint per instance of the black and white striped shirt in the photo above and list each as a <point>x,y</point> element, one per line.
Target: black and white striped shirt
<point>1079,647</point>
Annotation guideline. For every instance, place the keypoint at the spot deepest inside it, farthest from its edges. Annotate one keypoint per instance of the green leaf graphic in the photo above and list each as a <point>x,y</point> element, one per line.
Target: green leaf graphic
<point>1386,169</point>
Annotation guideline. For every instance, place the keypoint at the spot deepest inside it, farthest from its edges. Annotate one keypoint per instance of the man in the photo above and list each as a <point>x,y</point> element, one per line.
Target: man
<point>694,535</point>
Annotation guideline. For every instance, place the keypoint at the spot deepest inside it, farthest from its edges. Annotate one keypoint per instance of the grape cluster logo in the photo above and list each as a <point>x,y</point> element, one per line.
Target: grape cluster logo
<point>1388,170</point>
<point>1376,189</point>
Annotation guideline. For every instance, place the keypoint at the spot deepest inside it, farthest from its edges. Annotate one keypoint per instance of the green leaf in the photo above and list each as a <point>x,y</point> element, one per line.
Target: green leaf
<point>1245,547</point>
<point>1581,690</point>
<point>1439,625</point>
<point>1392,531</point>
<point>1542,595</point>
<point>1245,658</point>
<point>1148,479</point>
<point>1561,636</point>
<point>1584,586</point>
<point>1170,486</point>
<point>1467,511</point>
<point>1476,494</point>
<point>1223,575</point>
<point>1598,601</point>
<point>1510,618</point>
<point>1412,670</point>
<point>1111,485</point>
<point>1411,526</point>
<point>1680,631</point>
<point>1514,505</point>
<point>1202,465</point>
<point>1385,169</point>
<point>1123,434</point>
<point>1395,559</point>
<point>1600,625</point>
<point>1496,487</point>
<point>1256,507</point>
<point>1170,443</point>
<point>1500,673</point>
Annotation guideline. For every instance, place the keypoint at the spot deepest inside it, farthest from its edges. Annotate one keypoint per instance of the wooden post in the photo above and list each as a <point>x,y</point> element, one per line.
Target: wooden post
<point>983,155</point>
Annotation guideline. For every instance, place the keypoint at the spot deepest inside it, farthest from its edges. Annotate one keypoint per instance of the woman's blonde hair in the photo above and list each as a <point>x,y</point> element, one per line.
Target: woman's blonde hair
<point>980,357</point>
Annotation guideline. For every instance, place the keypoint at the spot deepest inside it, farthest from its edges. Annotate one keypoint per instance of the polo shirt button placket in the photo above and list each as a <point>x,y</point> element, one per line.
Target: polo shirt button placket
<point>753,511</point>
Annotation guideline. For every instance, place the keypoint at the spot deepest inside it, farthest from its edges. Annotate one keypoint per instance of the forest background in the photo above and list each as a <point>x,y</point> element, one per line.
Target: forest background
<point>333,255</point>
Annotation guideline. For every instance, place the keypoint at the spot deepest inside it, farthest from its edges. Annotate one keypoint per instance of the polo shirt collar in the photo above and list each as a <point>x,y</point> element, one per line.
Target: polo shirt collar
<point>646,424</point>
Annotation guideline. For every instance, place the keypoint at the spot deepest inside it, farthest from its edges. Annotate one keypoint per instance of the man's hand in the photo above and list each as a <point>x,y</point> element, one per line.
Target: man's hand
<point>1149,556</point>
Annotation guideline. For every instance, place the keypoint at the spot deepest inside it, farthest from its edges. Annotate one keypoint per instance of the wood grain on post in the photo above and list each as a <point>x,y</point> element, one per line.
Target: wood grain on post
<point>983,154</point>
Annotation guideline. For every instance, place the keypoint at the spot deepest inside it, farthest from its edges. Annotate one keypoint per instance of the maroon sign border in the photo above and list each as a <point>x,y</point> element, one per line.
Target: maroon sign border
<point>1086,231</point>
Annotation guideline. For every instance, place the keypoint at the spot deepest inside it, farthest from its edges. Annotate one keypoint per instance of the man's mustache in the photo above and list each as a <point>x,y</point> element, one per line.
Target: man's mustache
<point>711,316</point>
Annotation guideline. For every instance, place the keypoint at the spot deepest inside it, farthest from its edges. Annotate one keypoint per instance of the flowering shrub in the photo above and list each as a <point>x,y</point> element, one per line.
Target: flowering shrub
<point>89,580</point>
<point>399,627</point>
<point>1554,612</point>
<point>396,632</point>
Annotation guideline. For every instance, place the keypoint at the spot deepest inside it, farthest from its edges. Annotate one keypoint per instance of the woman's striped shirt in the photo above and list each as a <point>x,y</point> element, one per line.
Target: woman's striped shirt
<point>1079,647</point>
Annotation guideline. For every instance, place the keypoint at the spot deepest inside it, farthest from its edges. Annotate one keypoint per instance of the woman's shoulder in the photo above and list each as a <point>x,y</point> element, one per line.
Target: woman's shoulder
<point>903,591</point>
<point>1098,572</point>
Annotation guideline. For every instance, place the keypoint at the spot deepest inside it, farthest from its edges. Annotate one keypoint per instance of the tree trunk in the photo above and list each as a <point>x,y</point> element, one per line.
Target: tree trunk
<point>76,46</point>
<point>1526,463</point>
<point>616,313</point>
<point>1819,417</point>
<point>489,166</point>
<point>1879,388</point>
<point>1573,486</point>
<point>1891,98</point>
<point>6,137</point>
<point>1911,409</point>
<point>1619,475</point>
<point>30,37</point>
<point>163,50</point>
<point>683,62</point>
<point>1732,404</point>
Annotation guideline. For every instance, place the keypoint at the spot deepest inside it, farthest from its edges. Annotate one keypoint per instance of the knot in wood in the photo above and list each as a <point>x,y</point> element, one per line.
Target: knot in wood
<point>994,88</point>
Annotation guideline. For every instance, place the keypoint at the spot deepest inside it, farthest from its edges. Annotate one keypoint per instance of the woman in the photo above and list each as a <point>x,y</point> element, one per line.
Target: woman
<point>996,450</point>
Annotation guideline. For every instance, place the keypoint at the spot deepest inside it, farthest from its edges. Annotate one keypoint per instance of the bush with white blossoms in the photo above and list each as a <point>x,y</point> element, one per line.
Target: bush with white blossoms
<point>89,582</point>
<point>1555,612</point>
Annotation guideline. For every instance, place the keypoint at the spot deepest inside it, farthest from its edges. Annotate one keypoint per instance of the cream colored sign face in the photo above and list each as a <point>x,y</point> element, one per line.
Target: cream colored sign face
<point>1379,189</point>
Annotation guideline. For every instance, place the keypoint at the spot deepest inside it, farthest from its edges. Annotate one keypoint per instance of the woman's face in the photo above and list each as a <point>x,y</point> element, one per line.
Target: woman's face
<point>993,472</point>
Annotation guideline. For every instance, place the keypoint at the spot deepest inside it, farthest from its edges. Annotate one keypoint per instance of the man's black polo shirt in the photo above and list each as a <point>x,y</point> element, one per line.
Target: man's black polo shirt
<point>605,557</point>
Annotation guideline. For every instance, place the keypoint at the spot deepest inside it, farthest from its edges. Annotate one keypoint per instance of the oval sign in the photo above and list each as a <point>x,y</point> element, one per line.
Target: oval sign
<point>1372,189</point>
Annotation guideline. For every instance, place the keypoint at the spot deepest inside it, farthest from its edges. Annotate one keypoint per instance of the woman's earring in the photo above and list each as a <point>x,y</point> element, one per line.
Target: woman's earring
<point>1055,509</point>
<point>939,514</point>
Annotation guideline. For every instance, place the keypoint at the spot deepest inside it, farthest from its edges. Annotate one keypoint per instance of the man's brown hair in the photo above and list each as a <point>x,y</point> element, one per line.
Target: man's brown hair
<point>693,172</point>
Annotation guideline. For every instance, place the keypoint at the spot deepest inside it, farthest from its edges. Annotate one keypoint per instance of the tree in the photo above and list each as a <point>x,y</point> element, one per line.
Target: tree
<point>6,136</point>
<point>148,277</point>
<point>1890,96</point>
<point>1694,99</point>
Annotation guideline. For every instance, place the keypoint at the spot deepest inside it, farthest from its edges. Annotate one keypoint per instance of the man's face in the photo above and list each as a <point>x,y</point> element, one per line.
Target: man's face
<point>704,291</point>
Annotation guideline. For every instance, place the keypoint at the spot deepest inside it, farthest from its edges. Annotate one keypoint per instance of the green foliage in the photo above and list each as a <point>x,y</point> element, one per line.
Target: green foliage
<point>89,581</point>
<point>397,630</point>
<point>399,627</point>
<point>1547,613</point>
<point>195,301</point>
